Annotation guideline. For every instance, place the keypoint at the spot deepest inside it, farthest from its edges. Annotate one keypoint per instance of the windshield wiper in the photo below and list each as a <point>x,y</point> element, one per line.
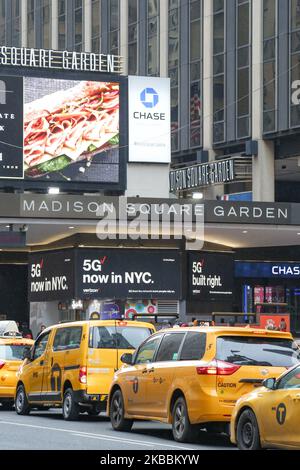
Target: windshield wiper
<point>253,362</point>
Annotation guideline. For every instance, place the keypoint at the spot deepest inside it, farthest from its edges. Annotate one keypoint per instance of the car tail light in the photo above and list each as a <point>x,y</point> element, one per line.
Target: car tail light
<point>83,375</point>
<point>217,368</point>
<point>2,364</point>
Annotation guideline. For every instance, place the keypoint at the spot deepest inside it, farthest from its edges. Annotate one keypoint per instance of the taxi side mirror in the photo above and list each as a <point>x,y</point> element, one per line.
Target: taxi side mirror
<point>269,384</point>
<point>127,359</point>
<point>27,353</point>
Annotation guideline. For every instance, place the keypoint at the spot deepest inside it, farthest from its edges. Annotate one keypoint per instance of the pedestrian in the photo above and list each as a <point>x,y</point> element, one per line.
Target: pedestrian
<point>26,331</point>
<point>42,328</point>
<point>282,325</point>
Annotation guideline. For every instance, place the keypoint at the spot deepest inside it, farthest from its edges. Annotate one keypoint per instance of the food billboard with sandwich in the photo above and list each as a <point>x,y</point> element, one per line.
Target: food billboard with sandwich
<point>71,130</point>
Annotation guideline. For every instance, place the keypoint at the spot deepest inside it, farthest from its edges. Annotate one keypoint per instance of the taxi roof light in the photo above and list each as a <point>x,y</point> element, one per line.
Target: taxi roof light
<point>217,368</point>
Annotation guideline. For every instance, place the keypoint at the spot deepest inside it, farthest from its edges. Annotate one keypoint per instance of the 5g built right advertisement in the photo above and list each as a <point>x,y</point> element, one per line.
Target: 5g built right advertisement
<point>210,276</point>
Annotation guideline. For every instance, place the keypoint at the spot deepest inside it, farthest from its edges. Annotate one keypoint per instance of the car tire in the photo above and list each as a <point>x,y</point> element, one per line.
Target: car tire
<point>183,430</point>
<point>21,403</point>
<point>70,408</point>
<point>117,412</point>
<point>7,405</point>
<point>247,432</point>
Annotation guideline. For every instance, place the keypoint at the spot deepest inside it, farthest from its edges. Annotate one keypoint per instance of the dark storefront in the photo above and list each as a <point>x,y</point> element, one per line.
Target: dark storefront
<point>13,287</point>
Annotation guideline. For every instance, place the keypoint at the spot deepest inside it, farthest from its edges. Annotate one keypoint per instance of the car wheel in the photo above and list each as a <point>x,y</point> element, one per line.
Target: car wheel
<point>70,407</point>
<point>247,434</point>
<point>181,426</point>
<point>7,405</point>
<point>21,403</point>
<point>117,412</point>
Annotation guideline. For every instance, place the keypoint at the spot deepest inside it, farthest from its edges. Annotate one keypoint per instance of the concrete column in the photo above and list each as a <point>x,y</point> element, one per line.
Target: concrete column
<point>207,96</point>
<point>24,24</point>
<point>87,12</point>
<point>124,34</point>
<point>54,24</point>
<point>263,164</point>
<point>164,38</point>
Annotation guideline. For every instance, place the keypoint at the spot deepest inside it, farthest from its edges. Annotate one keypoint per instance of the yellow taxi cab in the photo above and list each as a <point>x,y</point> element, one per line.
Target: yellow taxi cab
<point>12,347</point>
<point>269,416</point>
<point>71,365</point>
<point>192,377</point>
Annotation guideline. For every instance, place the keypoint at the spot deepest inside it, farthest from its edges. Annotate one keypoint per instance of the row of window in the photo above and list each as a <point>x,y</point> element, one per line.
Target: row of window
<point>281,31</point>
<point>232,33</point>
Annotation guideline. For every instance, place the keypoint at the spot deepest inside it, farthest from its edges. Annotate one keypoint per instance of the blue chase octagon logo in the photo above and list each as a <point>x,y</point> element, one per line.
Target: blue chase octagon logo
<point>149,98</point>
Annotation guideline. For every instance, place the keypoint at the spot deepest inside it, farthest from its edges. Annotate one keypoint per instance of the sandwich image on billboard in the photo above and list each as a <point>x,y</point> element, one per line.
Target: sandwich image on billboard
<point>149,120</point>
<point>71,128</point>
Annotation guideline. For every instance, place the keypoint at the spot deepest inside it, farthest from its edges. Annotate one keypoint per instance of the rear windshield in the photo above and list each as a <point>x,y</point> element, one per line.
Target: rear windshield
<point>249,351</point>
<point>10,352</point>
<point>110,337</point>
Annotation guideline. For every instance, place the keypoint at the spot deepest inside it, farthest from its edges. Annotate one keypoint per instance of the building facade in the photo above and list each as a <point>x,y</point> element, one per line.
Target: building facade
<point>235,112</point>
<point>233,64</point>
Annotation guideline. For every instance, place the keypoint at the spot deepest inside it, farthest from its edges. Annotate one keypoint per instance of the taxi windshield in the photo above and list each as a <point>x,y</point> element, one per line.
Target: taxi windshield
<point>12,352</point>
<point>110,337</point>
<point>254,351</point>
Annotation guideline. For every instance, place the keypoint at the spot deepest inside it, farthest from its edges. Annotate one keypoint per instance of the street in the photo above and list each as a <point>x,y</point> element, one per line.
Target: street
<point>48,431</point>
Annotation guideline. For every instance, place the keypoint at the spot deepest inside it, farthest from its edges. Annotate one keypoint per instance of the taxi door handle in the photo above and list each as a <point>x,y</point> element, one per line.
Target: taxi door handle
<point>296,398</point>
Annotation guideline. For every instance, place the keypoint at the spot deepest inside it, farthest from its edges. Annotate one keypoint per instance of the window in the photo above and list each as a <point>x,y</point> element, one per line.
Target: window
<point>147,351</point>
<point>30,23</point>
<point>67,338</point>
<point>132,37</point>
<point>114,27</point>
<point>11,352</point>
<point>193,348</point>
<point>78,25</point>
<point>169,347</point>
<point>16,22</point>
<point>46,25</point>
<point>40,345</point>
<point>294,57</point>
<point>153,37</point>
<point>290,381</point>
<point>243,65</point>
<point>2,22</point>
<point>219,72</point>
<point>195,72</point>
<point>269,65</point>
<point>62,42</point>
<point>249,351</point>
<point>111,337</point>
<point>95,11</point>
<point>174,55</point>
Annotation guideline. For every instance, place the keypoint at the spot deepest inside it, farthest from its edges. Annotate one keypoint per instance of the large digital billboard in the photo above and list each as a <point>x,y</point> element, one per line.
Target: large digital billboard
<point>63,131</point>
<point>71,129</point>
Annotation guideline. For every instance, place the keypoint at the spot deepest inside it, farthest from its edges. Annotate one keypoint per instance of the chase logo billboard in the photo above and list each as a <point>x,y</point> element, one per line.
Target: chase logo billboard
<point>149,98</point>
<point>149,119</point>
<point>267,270</point>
